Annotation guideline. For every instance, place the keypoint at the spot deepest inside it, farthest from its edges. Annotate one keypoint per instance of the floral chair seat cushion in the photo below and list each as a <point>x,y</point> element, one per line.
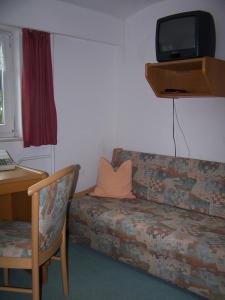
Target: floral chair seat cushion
<point>192,237</point>
<point>15,239</point>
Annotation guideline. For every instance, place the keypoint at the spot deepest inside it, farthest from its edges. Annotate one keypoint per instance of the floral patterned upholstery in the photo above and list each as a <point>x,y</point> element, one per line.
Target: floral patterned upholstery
<point>15,239</point>
<point>183,182</point>
<point>185,247</point>
<point>174,229</point>
<point>53,201</point>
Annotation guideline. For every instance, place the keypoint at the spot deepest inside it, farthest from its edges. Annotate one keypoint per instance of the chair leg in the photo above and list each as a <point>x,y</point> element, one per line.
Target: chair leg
<point>44,273</point>
<point>5,277</point>
<point>63,262</point>
<point>35,283</point>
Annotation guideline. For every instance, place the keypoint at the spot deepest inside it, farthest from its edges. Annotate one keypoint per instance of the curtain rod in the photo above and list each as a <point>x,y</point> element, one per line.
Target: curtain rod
<point>63,34</point>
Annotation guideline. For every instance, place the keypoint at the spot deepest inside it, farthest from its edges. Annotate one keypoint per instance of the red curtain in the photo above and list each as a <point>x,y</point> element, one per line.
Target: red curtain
<point>38,105</point>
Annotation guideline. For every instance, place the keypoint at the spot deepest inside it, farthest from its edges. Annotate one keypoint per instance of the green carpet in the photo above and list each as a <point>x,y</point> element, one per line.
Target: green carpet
<point>95,276</point>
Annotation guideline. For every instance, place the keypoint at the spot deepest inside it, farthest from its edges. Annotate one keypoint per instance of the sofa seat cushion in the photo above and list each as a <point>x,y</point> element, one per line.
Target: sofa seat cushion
<point>191,237</point>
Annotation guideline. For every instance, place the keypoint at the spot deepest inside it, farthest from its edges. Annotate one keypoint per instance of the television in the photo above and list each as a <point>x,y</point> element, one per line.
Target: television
<point>185,35</point>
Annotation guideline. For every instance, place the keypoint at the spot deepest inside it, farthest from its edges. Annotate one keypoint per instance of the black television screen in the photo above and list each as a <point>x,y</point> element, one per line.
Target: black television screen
<point>185,35</point>
<point>173,36</point>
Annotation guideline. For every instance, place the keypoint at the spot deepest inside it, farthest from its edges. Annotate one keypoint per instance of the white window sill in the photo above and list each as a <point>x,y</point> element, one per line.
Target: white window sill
<point>11,139</point>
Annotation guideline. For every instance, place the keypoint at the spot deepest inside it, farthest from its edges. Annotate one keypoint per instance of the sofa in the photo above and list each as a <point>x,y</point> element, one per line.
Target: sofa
<point>173,229</point>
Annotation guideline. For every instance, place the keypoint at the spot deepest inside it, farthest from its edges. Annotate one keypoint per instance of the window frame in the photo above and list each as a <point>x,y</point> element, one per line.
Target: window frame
<point>12,99</point>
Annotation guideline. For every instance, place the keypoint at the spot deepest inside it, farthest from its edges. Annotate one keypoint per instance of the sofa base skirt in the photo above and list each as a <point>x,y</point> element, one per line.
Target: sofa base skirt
<point>172,269</point>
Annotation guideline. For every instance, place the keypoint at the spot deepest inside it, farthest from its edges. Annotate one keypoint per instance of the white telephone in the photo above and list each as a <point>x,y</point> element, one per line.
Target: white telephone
<point>6,161</point>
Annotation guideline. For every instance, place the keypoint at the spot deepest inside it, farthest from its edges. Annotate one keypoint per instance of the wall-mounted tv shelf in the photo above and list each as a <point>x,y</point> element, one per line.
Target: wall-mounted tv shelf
<point>197,77</point>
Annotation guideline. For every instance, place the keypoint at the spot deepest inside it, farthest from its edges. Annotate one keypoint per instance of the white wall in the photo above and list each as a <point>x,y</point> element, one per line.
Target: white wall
<point>61,17</point>
<point>85,79</point>
<point>144,121</point>
<point>85,51</point>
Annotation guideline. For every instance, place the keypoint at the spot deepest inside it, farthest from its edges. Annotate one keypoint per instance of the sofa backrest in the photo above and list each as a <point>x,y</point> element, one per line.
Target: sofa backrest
<point>191,184</point>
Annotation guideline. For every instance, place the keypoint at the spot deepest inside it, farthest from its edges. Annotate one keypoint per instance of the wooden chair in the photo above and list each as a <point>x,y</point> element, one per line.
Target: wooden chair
<point>30,246</point>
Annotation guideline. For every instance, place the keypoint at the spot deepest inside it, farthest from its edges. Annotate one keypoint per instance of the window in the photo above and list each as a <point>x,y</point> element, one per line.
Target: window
<point>1,86</point>
<point>8,83</point>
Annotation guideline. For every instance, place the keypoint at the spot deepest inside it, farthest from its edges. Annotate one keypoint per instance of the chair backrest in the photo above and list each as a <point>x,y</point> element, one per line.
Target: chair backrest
<point>49,204</point>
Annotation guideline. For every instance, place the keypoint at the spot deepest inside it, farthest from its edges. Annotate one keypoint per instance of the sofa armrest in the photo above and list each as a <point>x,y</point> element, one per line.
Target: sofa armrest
<point>83,193</point>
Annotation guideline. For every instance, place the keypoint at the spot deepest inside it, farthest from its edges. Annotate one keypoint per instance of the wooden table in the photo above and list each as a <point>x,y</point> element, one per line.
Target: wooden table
<point>15,204</point>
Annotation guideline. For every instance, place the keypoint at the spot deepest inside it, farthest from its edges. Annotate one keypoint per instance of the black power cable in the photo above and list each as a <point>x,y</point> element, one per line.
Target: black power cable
<point>182,132</point>
<point>174,140</point>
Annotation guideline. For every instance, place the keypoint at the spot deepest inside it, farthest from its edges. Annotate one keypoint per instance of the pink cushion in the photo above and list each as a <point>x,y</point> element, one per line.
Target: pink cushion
<point>114,183</point>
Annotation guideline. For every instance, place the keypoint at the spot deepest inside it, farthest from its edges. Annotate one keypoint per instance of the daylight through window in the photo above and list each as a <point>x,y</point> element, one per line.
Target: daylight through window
<point>1,85</point>
<point>8,82</point>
